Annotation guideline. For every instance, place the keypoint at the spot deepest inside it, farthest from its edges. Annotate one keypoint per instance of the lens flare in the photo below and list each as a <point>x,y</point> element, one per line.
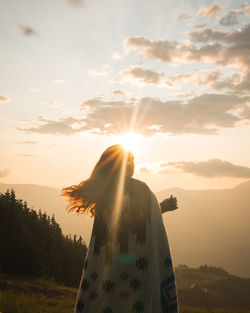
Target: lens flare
<point>130,141</point>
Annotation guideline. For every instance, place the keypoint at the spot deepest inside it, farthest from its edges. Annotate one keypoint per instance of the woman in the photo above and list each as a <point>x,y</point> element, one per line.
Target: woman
<point>128,267</point>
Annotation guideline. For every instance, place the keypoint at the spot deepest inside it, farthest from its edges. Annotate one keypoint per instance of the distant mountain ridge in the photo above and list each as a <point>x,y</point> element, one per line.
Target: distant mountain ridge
<point>210,226</point>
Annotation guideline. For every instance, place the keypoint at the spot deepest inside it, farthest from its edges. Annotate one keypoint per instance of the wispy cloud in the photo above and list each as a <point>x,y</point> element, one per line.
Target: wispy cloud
<point>142,75</point>
<point>200,25</point>
<point>117,55</point>
<point>118,92</point>
<point>211,11</point>
<point>4,98</point>
<point>231,18</point>
<point>28,31</point>
<point>98,72</point>
<point>202,77</point>
<point>66,126</point>
<point>184,16</point>
<point>210,168</point>
<point>51,104</point>
<point>27,142</point>
<point>75,2</point>
<point>247,8</point>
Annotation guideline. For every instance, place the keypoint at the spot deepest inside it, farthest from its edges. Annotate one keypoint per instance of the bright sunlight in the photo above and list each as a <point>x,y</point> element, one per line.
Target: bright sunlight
<point>131,141</point>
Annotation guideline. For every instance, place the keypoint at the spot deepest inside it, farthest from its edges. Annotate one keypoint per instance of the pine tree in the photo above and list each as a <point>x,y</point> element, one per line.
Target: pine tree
<point>32,244</point>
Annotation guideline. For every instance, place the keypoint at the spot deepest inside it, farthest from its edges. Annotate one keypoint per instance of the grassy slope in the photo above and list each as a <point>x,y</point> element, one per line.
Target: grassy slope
<point>35,295</point>
<point>42,296</point>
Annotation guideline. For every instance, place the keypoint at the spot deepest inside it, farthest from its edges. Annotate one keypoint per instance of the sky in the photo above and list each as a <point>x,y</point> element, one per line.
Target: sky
<point>78,75</point>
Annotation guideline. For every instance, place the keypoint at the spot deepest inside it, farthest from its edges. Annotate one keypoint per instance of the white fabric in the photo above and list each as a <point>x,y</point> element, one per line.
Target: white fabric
<point>140,281</point>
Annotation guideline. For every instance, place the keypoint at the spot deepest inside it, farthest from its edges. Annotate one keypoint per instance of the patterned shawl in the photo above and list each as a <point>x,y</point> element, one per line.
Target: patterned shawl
<point>128,267</point>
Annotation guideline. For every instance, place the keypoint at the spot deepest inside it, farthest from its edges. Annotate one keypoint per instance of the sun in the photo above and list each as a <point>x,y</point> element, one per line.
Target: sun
<point>130,141</point>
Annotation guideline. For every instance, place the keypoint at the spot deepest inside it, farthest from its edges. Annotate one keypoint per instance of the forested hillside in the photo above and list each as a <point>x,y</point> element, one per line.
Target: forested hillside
<point>32,244</point>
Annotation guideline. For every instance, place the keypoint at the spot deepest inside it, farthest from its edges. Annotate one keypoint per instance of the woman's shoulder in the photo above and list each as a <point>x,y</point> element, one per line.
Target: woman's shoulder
<point>138,183</point>
<point>140,187</point>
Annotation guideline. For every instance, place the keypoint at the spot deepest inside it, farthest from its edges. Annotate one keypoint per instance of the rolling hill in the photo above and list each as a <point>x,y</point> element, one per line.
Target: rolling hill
<point>211,227</point>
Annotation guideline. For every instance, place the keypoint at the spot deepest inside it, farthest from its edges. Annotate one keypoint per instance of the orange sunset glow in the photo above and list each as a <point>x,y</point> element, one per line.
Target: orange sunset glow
<point>167,80</point>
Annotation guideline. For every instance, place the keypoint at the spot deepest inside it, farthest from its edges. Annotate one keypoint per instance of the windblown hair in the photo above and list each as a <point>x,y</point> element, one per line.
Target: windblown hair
<point>96,192</point>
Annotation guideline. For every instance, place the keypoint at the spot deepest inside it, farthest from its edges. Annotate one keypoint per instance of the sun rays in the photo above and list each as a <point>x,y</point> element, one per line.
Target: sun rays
<point>120,191</point>
<point>130,141</point>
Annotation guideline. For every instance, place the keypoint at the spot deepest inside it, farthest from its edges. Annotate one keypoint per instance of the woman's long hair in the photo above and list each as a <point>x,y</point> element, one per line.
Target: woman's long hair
<point>100,189</point>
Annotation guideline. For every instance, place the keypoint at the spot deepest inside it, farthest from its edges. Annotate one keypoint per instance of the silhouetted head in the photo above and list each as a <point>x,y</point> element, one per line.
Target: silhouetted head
<point>111,162</point>
<point>100,187</point>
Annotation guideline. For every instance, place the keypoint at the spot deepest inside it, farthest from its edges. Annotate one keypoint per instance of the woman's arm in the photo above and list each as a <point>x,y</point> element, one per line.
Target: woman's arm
<point>169,204</point>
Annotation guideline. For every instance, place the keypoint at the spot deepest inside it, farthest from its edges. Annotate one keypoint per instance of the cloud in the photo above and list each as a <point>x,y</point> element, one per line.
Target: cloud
<point>247,8</point>
<point>136,42</point>
<point>28,31</point>
<point>204,77</point>
<point>206,114</point>
<point>75,2</point>
<point>210,168</point>
<point>234,82</point>
<point>4,173</point>
<point>220,47</point>
<point>167,51</point>
<point>67,126</point>
<point>27,142</point>
<point>51,104</point>
<point>240,36</point>
<point>200,25</point>
<point>116,55</point>
<point>237,82</point>
<point>246,112</point>
<point>210,11</point>
<point>236,50</point>
<point>4,98</point>
<point>162,50</point>
<point>143,75</point>
<point>184,16</point>
<point>149,167</point>
<point>118,92</point>
<point>97,72</point>
<point>231,18</point>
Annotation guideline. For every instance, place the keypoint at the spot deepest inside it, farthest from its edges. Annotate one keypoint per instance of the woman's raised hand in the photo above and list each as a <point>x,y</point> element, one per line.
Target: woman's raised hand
<point>169,204</point>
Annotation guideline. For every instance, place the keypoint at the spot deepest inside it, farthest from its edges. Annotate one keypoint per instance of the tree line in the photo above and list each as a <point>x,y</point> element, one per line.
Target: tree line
<point>32,244</point>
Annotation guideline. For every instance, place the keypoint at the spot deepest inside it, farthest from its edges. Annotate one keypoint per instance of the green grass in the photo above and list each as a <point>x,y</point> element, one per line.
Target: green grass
<point>35,296</point>
<point>22,303</point>
<point>44,296</point>
<point>211,310</point>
